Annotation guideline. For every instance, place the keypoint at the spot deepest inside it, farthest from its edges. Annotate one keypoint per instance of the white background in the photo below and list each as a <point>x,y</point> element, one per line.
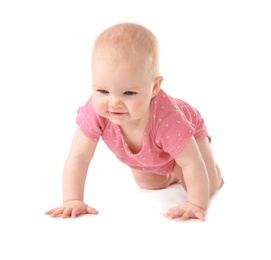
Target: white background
<point>214,54</point>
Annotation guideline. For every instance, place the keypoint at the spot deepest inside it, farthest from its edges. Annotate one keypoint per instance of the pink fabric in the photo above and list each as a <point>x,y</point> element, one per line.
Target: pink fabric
<point>172,123</point>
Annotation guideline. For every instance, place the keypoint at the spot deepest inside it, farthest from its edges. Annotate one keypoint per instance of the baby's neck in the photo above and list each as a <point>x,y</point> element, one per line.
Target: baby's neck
<point>134,134</point>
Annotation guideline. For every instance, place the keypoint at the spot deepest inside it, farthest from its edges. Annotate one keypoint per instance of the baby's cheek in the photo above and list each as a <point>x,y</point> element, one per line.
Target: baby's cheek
<point>98,106</point>
<point>139,109</point>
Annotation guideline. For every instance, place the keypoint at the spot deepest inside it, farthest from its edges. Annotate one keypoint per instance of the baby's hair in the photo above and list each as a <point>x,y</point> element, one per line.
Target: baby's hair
<point>122,42</point>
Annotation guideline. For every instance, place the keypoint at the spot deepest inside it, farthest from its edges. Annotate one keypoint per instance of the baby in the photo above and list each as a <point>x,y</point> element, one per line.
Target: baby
<point>162,139</point>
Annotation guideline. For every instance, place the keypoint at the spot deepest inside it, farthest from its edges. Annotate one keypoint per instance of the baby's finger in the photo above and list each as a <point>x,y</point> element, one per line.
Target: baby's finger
<point>74,212</point>
<point>92,211</point>
<point>185,216</point>
<point>57,212</point>
<point>66,213</point>
<point>174,213</point>
<point>169,214</point>
<point>200,216</point>
<point>49,212</point>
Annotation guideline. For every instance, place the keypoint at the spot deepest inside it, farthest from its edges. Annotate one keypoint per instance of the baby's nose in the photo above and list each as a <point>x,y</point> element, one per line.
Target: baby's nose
<point>115,102</point>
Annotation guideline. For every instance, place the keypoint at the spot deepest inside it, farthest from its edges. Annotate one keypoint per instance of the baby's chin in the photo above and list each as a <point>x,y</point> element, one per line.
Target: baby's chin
<point>116,121</point>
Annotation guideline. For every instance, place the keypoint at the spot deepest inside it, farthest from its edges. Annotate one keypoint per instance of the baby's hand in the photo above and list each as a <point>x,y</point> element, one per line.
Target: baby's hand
<point>72,208</point>
<point>186,211</point>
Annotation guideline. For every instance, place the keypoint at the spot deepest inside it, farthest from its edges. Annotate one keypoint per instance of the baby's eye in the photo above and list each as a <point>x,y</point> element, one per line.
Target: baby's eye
<point>103,91</point>
<point>129,93</point>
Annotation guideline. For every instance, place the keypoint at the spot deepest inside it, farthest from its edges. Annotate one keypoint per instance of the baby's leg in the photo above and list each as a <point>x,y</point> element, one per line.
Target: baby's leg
<point>152,181</point>
<point>214,173</point>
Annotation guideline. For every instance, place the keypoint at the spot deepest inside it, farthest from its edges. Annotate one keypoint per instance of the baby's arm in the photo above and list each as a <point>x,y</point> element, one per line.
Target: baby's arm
<point>74,176</point>
<point>196,180</point>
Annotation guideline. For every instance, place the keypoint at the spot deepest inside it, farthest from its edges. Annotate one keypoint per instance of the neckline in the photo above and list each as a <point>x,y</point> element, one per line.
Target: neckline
<point>145,133</point>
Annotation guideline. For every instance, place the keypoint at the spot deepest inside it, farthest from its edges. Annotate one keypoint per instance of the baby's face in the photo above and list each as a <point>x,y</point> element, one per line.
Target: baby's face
<point>122,92</point>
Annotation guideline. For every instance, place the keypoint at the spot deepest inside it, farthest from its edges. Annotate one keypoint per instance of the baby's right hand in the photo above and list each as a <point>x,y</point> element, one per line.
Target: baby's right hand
<point>72,208</point>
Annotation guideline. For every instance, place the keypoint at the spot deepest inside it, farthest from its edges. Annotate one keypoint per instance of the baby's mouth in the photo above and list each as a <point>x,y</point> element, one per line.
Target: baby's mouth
<point>117,113</point>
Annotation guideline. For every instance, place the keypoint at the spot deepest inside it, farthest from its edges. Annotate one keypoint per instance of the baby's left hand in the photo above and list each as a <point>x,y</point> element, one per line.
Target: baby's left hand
<point>185,212</point>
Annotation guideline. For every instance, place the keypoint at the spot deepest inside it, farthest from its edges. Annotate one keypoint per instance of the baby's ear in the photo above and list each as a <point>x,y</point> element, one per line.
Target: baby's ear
<point>156,85</point>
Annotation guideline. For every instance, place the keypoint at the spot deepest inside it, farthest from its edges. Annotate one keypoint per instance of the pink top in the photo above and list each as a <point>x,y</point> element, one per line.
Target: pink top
<point>172,123</point>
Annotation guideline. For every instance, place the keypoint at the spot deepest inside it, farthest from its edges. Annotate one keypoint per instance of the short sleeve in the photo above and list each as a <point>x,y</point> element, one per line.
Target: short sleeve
<point>174,132</point>
<point>90,123</point>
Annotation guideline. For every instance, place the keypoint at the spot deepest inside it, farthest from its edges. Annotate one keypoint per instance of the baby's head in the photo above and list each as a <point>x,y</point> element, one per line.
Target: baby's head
<point>125,73</point>
<point>127,42</point>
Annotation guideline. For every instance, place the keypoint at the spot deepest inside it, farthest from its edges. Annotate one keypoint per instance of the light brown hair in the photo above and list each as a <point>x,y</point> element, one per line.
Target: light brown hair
<point>124,41</point>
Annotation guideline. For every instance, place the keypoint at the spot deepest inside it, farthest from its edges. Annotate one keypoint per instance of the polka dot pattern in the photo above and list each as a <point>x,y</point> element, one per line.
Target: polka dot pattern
<point>172,123</point>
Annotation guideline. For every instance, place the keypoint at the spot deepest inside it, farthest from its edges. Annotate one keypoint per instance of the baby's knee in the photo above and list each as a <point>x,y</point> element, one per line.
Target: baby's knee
<point>151,181</point>
<point>149,186</point>
<point>154,185</point>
